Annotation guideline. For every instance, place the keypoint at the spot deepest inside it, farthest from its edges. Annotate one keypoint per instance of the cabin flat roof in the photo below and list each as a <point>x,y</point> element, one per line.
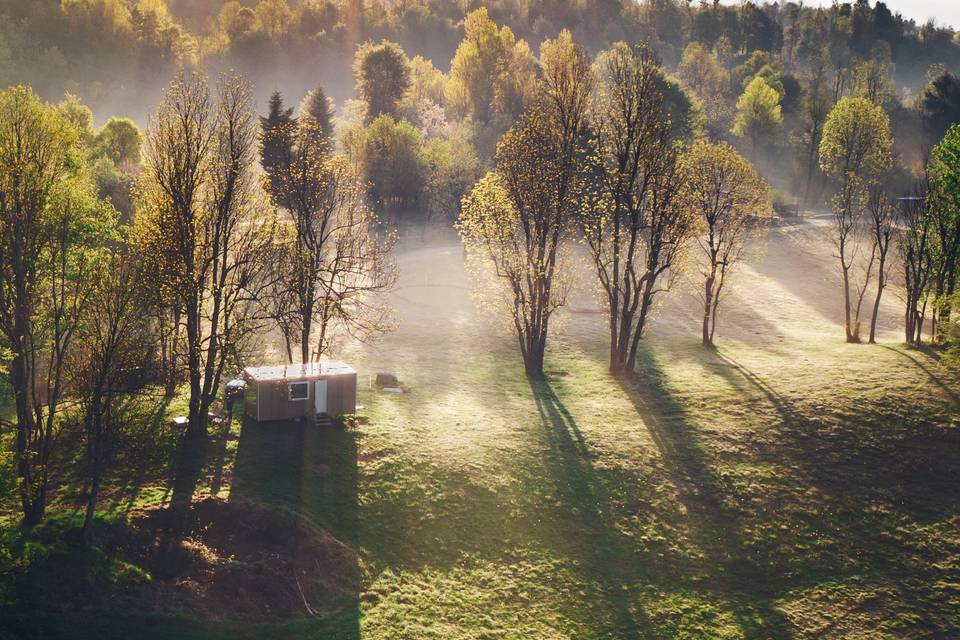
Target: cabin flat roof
<point>298,371</point>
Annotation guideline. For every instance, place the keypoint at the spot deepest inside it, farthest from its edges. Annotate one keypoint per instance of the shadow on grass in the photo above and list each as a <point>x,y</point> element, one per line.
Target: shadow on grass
<point>782,405</point>
<point>607,559</point>
<point>310,470</point>
<point>734,570</point>
<point>850,477</point>
<point>935,379</point>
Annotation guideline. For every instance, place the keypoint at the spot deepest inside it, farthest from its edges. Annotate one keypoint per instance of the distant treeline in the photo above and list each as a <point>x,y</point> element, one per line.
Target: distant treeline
<point>116,54</point>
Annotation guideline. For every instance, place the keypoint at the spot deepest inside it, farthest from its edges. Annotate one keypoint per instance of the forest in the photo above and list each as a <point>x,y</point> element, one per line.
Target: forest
<point>653,307</point>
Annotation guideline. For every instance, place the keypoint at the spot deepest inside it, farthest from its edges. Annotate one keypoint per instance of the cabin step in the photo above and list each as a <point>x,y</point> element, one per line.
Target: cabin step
<point>323,420</point>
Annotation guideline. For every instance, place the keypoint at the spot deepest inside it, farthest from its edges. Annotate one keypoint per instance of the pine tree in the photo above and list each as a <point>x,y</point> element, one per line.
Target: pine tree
<point>276,141</point>
<point>319,106</point>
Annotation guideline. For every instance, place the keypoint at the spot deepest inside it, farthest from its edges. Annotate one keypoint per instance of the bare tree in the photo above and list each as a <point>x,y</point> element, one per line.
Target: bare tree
<point>916,251</point>
<point>113,343</point>
<point>331,259</point>
<point>204,224</point>
<point>633,227</point>
<point>882,220</point>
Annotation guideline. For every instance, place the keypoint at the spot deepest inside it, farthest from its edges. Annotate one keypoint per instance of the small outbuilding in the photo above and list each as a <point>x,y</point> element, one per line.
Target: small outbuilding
<point>285,392</point>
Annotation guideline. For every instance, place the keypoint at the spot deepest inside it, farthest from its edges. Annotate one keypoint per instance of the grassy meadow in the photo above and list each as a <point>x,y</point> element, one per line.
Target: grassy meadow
<point>786,485</point>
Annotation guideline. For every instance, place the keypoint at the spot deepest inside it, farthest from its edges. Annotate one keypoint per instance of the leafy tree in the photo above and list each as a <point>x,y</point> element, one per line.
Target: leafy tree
<point>79,115</point>
<point>491,70</point>
<point>631,223</point>
<point>517,220</point>
<point>702,73</point>
<point>51,229</point>
<point>452,167</point>
<point>872,77</point>
<point>728,198</point>
<point>393,162</point>
<point>120,141</point>
<point>944,170</point>
<point>854,151</point>
<point>758,113</point>
<point>383,77</point>
<point>940,105</point>
<point>427,83</point>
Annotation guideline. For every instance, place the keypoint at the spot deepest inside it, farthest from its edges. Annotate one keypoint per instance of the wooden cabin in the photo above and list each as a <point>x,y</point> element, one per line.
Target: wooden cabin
<point>287,392</point>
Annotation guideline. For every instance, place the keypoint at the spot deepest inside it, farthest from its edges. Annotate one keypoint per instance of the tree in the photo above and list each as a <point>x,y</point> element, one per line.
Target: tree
<point>872,77</point>
<point>702,73</point>
<point>120,141</point>
<point>882,221</point>
<point>944,203</point>
<point>632,224</point>
<point>112,343</point>
<point>452,167</point>
<point>79,115</point>
<point>276,142</point>
<point>393,162</point>
<point>327,260</point>
<point>517,219</point>
<point>815,106</point>
<point>940,105</point>
<point>383,77</point>
<point>729,200</point>
<point>203,227</point>
<point>51,227</point>
<point>758,113</point>
<point>491,72</point>
<point>915,246</point>
<point>760,32</point>
<point>854,151</point>
<point>318,106</point>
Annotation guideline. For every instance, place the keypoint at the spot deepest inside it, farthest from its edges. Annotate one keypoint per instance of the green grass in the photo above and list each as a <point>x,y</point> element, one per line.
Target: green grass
<point>786,485</point>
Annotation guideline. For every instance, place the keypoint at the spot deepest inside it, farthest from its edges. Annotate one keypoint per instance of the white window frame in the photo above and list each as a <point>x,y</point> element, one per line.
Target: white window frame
<point>306,391</point>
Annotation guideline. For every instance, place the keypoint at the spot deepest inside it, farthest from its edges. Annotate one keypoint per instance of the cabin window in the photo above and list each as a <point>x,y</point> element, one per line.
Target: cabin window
<point>299,390</point>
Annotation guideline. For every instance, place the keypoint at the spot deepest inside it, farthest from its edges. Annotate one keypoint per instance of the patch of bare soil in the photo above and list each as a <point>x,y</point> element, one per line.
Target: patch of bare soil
<point>237,561</point>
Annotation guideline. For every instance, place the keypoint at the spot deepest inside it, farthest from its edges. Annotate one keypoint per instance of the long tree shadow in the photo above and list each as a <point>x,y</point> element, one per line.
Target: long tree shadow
<point>734,569</point>
<point>609,560</point>
<point>186,468</point>
<point>935,379</point>
<point>781,404</point>
<point>310,470</point>
<point>853,459</point>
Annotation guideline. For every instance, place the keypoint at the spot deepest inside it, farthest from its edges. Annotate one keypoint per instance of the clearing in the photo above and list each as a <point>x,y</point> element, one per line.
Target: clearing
<point>787,485</point>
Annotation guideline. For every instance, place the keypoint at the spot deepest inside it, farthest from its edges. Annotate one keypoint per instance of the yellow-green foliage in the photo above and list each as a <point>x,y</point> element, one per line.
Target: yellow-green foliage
<point>758,112</point>
<point>856,140</point>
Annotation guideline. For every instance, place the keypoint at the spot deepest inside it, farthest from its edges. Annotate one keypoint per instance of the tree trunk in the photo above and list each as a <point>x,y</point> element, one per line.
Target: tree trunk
<point>851,331</point>
<point>533,362</point>
<point>708,309</point>
<point>91,507</point>
<point>881,282</point>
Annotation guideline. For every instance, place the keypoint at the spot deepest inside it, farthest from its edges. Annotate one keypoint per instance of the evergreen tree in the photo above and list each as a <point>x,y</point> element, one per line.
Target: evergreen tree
<point>318,106</point>
<point>276,141</point>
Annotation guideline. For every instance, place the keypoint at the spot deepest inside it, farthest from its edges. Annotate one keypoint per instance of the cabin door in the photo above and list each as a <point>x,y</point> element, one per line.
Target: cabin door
<point>320,397</point>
